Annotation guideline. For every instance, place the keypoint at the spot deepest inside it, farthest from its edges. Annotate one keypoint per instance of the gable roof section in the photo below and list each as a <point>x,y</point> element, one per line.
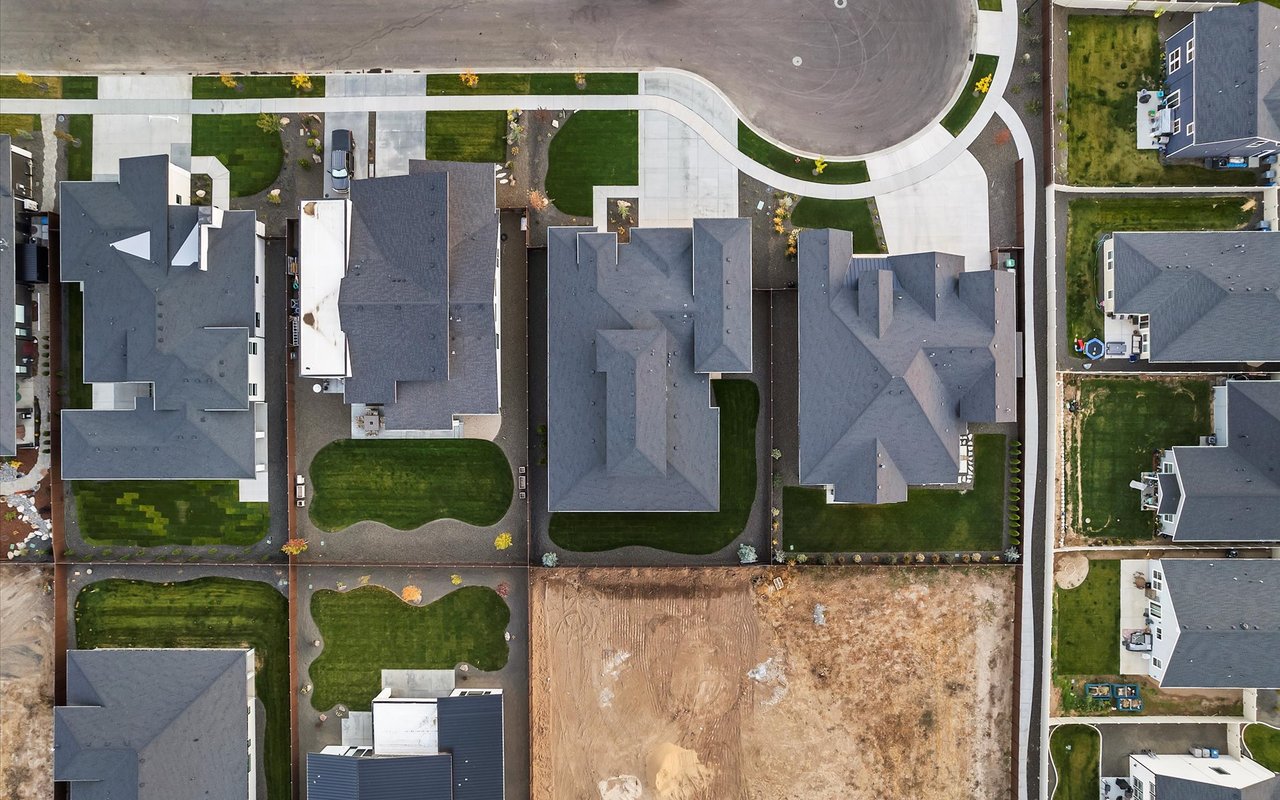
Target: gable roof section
<point>154,724</point>
<point>1202,289</point>
<point>1172,788</point>
<point>417,302</point>
<point>471,731</point>
<point>8,293</point>
<point>633,332</point>
<point>1228,622</point>
<point>897,356</point>
<point>1231,491</point>
<point>160,320</point>
<point>1237,73</point>
<point>340,777</point>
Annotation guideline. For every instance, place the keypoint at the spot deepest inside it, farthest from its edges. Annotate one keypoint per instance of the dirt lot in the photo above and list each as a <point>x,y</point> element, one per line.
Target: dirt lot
<point>688,684</point>
<point>26,682</point>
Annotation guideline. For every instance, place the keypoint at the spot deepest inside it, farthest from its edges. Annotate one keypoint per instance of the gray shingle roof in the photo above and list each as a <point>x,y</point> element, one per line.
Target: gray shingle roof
<point>156,724</point>
<point>1171,788</point>
<point>151,320</point>
<point>1231,492</point>
<point>339,777</point>
<point>417,302</point>
<point>471,731</point>
<point>1237,73</point>
<point>8,347</point>
<point>1202,291</point>
<point>897,355</point>
<point>1214,601</point>
<point>633,331</point>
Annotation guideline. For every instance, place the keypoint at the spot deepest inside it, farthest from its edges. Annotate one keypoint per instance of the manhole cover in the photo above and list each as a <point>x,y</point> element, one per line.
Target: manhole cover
<point>842,3</point>
<point>797,61</point>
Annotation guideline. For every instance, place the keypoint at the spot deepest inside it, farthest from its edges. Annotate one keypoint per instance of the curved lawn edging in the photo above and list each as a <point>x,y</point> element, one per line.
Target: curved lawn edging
<point>970,98</point>
<point>770,155</point>
<point>1079,769</point>
<point>253,156</point>
<point>592,148</point>
<point>406,483</point>
<point>1263,743</point>
<point>689,533</point>
<point>369,629</point>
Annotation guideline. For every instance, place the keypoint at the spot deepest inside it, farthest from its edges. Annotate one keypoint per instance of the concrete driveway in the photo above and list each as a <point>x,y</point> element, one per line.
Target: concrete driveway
<point>834,76</point>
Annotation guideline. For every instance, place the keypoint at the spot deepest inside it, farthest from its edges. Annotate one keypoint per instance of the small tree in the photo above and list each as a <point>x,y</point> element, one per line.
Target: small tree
<point>301,81</point>
<point>455,579</point>
<point>469,79</point>
<point>294,547</point>
<point>228,80</point>
<point>1012,555</point>
<point>819,165</point>
<point>550,559</point>
<point>25,79</point>
<point>775,454</point>
<point>747,554</point>
<point>269,123</point>
<point>503,589</point>
<point>580,80</point>
<point>502,541</point>
<point>411,594</point>
<point>538,200</point>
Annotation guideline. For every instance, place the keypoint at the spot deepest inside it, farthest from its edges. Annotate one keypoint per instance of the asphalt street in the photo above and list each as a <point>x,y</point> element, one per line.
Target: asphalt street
<point>841,77</point>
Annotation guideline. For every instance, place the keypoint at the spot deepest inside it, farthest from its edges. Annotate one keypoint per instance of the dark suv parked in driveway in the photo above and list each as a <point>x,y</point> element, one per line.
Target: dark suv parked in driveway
<point>341,160</point>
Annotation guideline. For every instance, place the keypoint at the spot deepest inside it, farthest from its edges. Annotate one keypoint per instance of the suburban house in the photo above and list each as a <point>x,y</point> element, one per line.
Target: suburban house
<point>898,355</point>
<point>399,299</point>
<point>1188,777</point>
<point>424,738</point>
<point>1222,88</point>
<point>22,255</point>
<point>1214,624</point>
<point>1226,489</point>
<point>1199,297</point>
<point>635,334</point>
<point>173,332</point>
<point>144,724</point>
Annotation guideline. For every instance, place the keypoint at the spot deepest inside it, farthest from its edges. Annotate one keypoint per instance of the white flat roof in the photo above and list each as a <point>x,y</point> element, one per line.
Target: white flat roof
<point>405,727</point>
<point>322,262</point>
<point>1221,771</point>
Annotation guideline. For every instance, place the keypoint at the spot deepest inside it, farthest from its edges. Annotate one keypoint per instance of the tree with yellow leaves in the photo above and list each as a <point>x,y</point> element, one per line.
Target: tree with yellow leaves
<point>294,547</point>
<point>503,541</point>
<point>229,80</point>
<point>411,594</point>
<point>302,82</point>
<point>469,79</point>
<point>455,579</point>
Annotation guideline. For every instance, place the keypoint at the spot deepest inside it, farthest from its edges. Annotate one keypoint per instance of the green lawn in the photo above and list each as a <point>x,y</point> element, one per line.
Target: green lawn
<point>847,215</point>
<point>406,483</point>
<point>70,87</point>
<point>79,393</point>
<point>970,99</point>
<point>253,155</point>
<point>1263,742</point>
<point>1076,767</point>
<point>592,148</point>
<point>80,159</point>
<point>208,612</point>
<point>931,520</point>
<point>210,87</point>
<point>989,5</point>
<point>1122,421</point>
<point>696,532</point>
<point>779,160</point>
<point>1086,623</point>
<point>19,125</point>
<point>535,83</point>
<point>1110,59</point>
<point>1088,219</point>
<point>155,513</point>
<point>369,629</point>
<point>467,135</point>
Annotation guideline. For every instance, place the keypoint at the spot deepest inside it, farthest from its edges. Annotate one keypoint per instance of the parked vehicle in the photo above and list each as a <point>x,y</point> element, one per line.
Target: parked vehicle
<point>341,160</point>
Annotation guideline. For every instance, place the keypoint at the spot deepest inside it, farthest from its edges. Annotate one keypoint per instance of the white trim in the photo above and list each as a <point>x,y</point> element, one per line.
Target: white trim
<point>1191,50</point>
<point>1174,60</point>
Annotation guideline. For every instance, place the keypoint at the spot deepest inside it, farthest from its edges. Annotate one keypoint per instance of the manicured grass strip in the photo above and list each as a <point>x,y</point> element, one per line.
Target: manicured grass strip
<point>970,99</point>
<point>79,393</point>
<point>369,629</point>
<point>696,532</point>
<point>19,126</point>
<point>70,87</point>
<point>406,483</point>
<point>1263,742</point>
<point>254,156</point>
<point>1110,59</point>
<point>467,135</point>
<point>1086,623</point>
<point>211,87</point>
<point>208,612</point>
<point>989,5</point>
<point>932,519</point>
<point>1075,751</point>
<point>592,148</point>
<point>491,83</point>
<point>1089,219</point>
<point>847,215</point>
<point>779,160</point>
<point>154,513</point>
<point>80,159</point>
<point>1123,421</point>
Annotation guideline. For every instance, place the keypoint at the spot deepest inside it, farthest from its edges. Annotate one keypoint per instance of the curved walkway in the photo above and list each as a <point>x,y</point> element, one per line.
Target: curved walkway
<point>687,97</point>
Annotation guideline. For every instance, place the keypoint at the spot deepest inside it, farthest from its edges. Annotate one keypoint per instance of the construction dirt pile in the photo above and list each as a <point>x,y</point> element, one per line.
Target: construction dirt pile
<point>685,684</point>
<point>26,682</point>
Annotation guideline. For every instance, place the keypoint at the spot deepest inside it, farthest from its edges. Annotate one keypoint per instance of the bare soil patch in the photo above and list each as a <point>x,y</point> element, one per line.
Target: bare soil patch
<point>1070,570</point>
<point>683,684</point>
<point>26,682</point>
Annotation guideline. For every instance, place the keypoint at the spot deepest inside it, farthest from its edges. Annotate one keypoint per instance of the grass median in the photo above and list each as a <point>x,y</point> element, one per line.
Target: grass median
<point>777,159</point>
<point>467,136</point>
